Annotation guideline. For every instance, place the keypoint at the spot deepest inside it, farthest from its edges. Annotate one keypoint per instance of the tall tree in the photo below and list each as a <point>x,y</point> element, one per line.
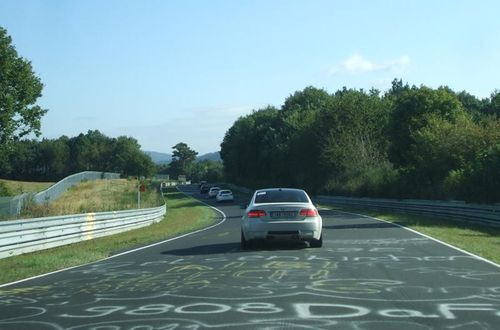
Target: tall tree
<point>413,108</point>
<point>351,135</point>
<point>128,159</point>
<point>19,90</point>
<point>182,159</point>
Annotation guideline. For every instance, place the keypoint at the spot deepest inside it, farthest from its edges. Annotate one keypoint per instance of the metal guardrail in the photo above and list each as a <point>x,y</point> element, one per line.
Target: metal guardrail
<point>13,206</point>
<point>28,235</point>
<point>475,213</point>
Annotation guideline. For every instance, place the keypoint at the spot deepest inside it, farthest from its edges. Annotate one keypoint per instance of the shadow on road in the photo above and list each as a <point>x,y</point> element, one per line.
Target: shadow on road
<point>235,247</point>
<point>279,245</point>
<point>205,249</point>
<point>234,217</point>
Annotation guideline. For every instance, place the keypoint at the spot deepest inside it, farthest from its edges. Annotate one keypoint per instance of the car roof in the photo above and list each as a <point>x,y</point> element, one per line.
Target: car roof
<point>279,189</point>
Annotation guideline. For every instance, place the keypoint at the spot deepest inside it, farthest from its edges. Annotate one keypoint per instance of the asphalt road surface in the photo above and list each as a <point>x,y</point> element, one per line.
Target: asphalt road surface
<point>368,275</point>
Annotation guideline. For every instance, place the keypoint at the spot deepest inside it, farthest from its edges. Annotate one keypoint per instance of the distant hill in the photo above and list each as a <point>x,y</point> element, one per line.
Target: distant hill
<point>161,158</point>
<point>158,157</point>
<point>215,156</point>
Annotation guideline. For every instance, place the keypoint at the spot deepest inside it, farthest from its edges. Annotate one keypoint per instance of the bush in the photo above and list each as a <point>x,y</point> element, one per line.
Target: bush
<point>4,190</point>
<point>481,180</point>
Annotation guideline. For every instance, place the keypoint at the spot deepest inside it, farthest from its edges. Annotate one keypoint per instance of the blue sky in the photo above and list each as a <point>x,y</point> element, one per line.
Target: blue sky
<point>171,71</point>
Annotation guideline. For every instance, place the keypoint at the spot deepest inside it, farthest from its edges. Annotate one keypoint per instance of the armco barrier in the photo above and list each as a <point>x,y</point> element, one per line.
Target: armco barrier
<point>28,235</point>
<point>476,213</point>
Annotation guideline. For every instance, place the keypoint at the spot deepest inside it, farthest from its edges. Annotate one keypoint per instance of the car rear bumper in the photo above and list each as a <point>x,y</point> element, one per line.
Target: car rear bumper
<point>225,199</point>
<point>303,230</point>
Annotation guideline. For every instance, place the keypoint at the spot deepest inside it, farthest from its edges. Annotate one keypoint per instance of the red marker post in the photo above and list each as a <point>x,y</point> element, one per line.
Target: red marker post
<point>142,188</point>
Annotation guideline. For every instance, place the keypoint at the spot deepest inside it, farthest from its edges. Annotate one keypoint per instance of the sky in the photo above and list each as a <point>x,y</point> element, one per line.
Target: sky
<point>173,71</point>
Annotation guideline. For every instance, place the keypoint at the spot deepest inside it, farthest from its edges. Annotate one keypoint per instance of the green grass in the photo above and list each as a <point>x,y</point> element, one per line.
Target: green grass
<point>20,187</point>
<point>184,214</point>
<point>96,196</point>
<point>481,240</point>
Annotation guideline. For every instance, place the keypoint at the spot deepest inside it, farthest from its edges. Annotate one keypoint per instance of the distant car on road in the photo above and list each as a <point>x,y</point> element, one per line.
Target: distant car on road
<point>225,196</point>
<point>204,189</point>
<point>213,192</point>
<point>281,214</point>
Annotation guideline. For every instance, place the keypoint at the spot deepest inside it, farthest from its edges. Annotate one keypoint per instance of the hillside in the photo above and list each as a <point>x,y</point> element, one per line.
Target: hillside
<point>162,158</point>
<point>215,156</point>
<point>158,157</point>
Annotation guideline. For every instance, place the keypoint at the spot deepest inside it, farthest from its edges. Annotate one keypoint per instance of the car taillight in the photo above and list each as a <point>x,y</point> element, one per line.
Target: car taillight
<point>256,213</point>
<point>308,213</point>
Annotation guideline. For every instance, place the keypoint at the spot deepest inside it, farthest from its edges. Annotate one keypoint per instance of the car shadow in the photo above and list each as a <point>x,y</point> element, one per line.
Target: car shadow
<point>234,217</point>
<point>235,247</point>
<point>205,249</point>
<point>278,245</point>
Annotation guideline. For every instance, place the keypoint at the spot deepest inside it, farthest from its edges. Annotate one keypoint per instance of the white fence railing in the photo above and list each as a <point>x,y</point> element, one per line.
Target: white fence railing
<point>28,235</point>
<point>476,213</point>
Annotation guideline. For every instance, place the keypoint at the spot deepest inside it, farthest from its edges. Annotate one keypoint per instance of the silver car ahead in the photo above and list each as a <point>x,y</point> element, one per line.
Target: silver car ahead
<point>281,213</point>
<point>225,196</point>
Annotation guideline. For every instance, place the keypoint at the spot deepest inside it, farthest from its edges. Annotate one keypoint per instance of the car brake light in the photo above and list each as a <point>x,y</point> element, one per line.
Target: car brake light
<point>308,213</point>
<point>256,213</point>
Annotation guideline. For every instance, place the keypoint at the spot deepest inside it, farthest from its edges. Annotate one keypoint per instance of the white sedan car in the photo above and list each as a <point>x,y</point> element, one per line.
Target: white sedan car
<point>225,196</point>
<point>281,213</point>
<point>213,192</point>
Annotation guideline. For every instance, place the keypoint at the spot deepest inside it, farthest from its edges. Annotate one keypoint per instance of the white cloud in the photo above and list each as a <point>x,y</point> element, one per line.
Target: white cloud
<point>357,64</point>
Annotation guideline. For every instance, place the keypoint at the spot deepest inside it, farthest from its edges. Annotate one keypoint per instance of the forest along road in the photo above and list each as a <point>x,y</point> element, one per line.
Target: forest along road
<point>368,275</point>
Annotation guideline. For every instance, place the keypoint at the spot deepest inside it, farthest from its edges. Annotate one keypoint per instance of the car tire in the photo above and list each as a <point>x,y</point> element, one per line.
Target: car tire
<point>244,243</point>
<point>316,243</point>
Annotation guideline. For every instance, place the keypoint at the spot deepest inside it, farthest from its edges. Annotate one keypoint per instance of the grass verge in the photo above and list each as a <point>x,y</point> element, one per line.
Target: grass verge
<point>184,214</point>
<point>480,240</point>
<point>20,187</point>
<point>96,196</point>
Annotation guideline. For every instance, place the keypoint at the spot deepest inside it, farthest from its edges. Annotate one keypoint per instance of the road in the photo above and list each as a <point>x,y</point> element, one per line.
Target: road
<point>368,275</point>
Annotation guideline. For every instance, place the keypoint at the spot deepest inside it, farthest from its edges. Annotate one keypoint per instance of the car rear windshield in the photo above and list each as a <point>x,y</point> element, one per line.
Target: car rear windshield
<point>280,196</point>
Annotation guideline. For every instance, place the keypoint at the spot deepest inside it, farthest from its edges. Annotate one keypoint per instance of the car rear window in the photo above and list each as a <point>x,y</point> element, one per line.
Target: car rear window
<point>280,196</point>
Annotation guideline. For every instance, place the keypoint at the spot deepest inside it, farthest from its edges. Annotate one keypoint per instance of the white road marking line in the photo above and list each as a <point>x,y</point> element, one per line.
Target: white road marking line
<point>424,235</point>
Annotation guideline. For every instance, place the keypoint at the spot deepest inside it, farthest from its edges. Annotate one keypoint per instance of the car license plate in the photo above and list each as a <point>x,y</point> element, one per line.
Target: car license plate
<point>283,214</point>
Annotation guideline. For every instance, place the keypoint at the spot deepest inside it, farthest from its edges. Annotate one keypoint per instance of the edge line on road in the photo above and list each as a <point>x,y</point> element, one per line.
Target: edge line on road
<point>426,236</point>
<point>130,251</point>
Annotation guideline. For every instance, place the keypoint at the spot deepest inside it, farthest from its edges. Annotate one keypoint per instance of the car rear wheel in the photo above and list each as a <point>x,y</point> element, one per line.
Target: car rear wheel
<point>244,243</point>
<point>316,243</point>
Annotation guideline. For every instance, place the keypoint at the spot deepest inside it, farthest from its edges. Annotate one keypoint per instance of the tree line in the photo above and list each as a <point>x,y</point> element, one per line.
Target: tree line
<point>409,142</point>
<point>54,159</point>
